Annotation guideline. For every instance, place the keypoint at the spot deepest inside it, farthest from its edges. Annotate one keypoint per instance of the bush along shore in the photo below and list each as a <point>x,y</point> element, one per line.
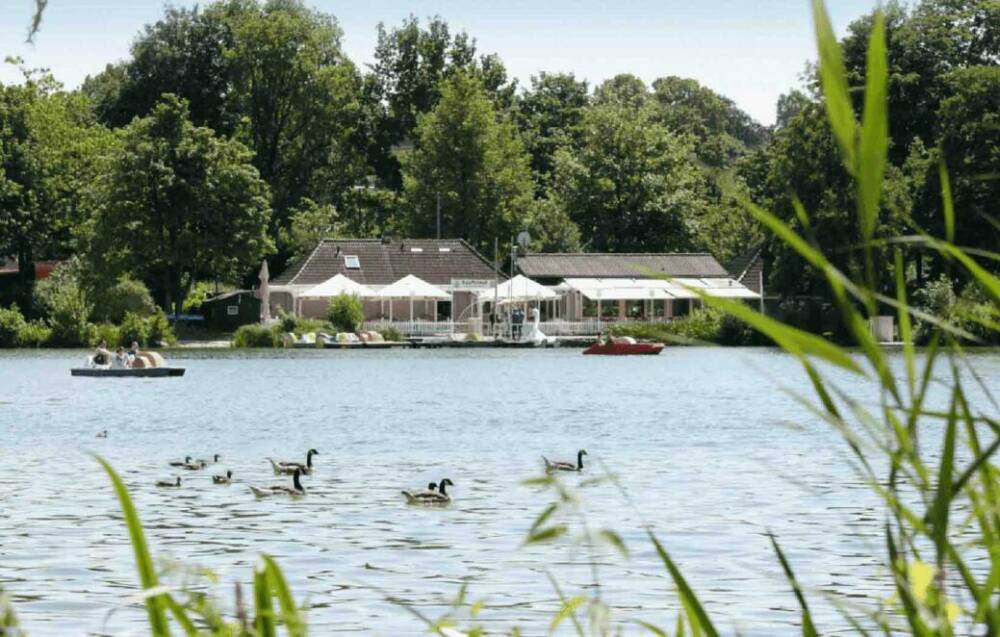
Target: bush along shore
<point>67,312</point>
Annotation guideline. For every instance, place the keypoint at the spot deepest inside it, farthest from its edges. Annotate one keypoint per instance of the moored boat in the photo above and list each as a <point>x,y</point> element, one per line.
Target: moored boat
<point>140,372</point>
<point>622,348</point>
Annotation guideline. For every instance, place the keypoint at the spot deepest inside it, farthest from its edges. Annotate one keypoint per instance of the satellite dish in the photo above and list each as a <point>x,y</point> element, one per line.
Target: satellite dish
<point>524,239</point>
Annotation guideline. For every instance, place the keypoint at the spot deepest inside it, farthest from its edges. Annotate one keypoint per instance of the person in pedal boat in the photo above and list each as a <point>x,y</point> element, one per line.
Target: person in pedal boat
<point>121,359</point>
<point>102,356</point>
<point>135,356</point>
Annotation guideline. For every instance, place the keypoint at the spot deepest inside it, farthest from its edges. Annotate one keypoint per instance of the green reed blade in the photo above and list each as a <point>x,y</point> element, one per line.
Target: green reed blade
<point>947,203</point>
<point>264,621</point>
<point>833,78</point>
<point>294,621</point>
<point>568,608</point>
<point>155,604</point>
<point>874,146</point>
<point>808,628</point>
<point>181,616</point>
<point>688,598</point>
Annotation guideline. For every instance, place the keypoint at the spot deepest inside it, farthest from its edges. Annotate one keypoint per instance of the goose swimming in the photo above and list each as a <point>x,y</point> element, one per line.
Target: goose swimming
<point>226,479</point>
<point>168,483</point>
<point>280,489</point>
<point>180,463</point>
<point>551,466</point>
<point>290,467</point>
<point>102,434</point>
<point>430,496</point>
<point>208,462</point>
<point>196,465</point>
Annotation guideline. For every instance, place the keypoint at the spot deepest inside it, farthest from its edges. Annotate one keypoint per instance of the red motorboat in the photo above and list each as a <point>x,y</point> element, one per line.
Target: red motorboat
<point>623,348</point>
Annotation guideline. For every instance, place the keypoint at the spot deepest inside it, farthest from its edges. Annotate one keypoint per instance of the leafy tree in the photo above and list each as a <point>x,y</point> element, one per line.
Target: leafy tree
<point>50,154</point>
<point>471,159</point>
<point>630,183</point>
<point>181,203</point>
<point>969,122</point>
<point>723,132</point>
<point>300,97</point>
<point>549,114</point>
<point>182,53</point>
<point>310,223</point>
<point>551,229</point>
<point>411,62</point>
<point>623,89</point>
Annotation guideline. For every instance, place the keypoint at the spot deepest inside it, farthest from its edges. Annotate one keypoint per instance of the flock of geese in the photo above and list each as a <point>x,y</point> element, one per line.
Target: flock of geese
<point>436,493</point>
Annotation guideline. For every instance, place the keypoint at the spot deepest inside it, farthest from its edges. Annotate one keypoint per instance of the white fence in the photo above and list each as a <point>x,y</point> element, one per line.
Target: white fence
<point>558,327</point>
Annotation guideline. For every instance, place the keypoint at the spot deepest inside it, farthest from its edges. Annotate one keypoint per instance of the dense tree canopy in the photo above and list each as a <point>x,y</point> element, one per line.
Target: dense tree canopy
<point>182,203</point>
<point>468,160</point>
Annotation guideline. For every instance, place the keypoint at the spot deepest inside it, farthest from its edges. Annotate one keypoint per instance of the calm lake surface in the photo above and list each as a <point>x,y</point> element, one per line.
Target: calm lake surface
<point>708,445</point>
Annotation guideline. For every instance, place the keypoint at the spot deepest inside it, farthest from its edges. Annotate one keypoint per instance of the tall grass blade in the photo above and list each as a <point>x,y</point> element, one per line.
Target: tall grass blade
<point>947,203</point>
<point>905,327</point>
<point>874,146</point>
<point>833,79</point>
<point>808,627</point>
<point>295,624</point>
<point>264,621</point>
<point>156,605</point>
<point>688,598</point>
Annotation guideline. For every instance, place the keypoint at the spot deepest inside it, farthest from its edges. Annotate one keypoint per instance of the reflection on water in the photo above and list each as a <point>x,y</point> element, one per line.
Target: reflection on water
<point>702,439</point>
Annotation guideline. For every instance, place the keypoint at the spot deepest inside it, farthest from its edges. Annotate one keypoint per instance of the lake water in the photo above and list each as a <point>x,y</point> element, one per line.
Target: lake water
<point>709,447</point>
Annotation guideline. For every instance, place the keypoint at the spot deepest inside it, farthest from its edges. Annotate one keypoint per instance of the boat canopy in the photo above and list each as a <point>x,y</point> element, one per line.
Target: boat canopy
<point>337,285</point>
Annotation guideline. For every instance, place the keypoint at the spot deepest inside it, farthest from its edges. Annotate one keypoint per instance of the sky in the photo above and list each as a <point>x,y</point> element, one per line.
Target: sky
<point>751,51</point>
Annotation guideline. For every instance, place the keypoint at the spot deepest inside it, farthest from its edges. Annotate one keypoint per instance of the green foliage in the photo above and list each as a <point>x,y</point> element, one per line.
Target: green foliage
<point>200,208</point>
<point>703,325</point>
<point>346,312</point>
<point>197,295</point>
<point>629,184</point>
<point>65,304</point>
<point>110,334</point>
<point>35,334</point>
<point>133,328</point>
<point>256,336</point>
<point>151,331</point>
<point>12,324</point>
<point>50,155</point>
<point>392,334</point>
<point>126,295</point>
<point>472,160</point>
<point>310,222</point>
<point>8,620</point>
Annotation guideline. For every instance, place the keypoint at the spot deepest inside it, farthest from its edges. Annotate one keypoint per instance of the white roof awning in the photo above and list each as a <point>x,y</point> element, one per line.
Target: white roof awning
<point>337,285</point>
<point>656,289</point>
<point>520,289</point>
<point>412,287</point>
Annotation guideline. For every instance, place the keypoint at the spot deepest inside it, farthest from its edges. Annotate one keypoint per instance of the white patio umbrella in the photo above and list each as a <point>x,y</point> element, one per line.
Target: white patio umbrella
<point>264,293</point>
<point>413,288</point>
<point>520,289</point>
<point>337,285</point>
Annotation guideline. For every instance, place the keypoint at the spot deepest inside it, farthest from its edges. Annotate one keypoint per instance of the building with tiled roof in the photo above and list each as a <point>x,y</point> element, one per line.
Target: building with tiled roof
<point>450,264</point>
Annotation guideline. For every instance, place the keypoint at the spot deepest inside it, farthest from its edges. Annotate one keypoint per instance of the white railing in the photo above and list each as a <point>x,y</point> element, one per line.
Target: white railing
<point>415,328</point>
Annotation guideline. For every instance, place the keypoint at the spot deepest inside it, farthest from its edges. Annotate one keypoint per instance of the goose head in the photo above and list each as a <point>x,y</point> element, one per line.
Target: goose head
<point>295,480</point>
<point>445,483</point>
<point>579,457</point>
<point>217,456</point>
<point>432,486</point>
<point>178,481</point>
<point>229,473</point>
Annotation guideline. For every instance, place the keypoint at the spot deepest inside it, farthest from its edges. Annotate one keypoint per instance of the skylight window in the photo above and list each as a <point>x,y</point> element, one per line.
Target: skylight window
<point>352,262</point>
<point>444,249</point>
<point>416,249</point>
